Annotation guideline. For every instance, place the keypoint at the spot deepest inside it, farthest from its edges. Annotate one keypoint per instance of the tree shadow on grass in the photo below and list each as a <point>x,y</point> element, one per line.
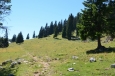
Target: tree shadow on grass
<point>104,50</point>
<point>57,38</point>
<point>7,71</point>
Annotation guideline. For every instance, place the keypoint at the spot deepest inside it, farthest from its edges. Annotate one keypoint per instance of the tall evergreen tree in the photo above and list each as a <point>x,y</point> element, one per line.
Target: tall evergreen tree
<point>34,35</point>
<point>46,30</point>
<point>55,25</point>
<point>19,38</point>
<point>41,33</point>
<point>56,32</point>
<point>14,38</point>
<point>28,36</point>
<point>69,28</point>
<point>51,28</point>
<point>78,21</point>
<point>94,22</point>
<point>64,29</point>
<point>6,42</point>
<point>60,26</point>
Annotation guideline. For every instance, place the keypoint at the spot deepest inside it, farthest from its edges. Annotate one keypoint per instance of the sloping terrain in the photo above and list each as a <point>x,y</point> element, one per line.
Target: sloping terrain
<point>53,57</point>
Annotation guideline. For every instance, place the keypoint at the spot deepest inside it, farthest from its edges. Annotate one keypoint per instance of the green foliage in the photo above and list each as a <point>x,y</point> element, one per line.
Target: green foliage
<point>13,38</point>
<point>4,42</point>
<point>64,29</point>
<point>70,27</point>
<point>60,26</point>
<point>94,20</point>
<point>56,32</point>
<point>34,35</point>
<point>46,30</point>
<point>28,36</point>
<point>19,38</point>
<point>51,31</point>
<point>5,8</point>
<point>41,33</point>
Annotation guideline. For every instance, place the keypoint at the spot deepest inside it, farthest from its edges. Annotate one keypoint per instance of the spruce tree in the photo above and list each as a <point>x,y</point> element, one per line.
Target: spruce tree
<point>56,32</point>
<point>28,36</point>
<point>94,22</point>
<point>13,38</point>
<point>78,21</point>
<point>55,25</point>
<point>69,28</point>
<point>19,38</point>
<point>51,28</point>
<point>34,35</point>
<point>46,30</point>
<point>64,29</point>
<point>41,33</point>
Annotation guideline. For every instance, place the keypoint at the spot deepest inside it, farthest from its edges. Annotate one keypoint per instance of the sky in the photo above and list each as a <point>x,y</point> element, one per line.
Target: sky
<point>28,16</point>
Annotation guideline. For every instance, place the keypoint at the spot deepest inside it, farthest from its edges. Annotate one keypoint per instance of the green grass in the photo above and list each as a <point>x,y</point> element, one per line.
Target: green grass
<point>58,54</point>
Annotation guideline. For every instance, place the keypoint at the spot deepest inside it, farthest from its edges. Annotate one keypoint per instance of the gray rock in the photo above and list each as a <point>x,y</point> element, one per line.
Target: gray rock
<point>112,65</point>
<point>92,59</point>
<point>74,57</point>
<point>1,67</point>
<point>70,69</point>
<point>11,75</point>
<point>13,64</point>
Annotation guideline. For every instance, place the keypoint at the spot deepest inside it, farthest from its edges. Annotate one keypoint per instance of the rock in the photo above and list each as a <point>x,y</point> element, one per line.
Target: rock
<point>92,59</point>
<point>19,62</point>
<point>13,64</point>
<point>11,75</point>
<point>70,69</point>
<point>25,61</point>
<point>112,65</point>
<point>1,67</point>
<point>74,57</point>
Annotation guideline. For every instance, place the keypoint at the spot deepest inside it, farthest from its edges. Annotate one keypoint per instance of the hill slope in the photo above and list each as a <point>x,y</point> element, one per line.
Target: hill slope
<point>52,57</point>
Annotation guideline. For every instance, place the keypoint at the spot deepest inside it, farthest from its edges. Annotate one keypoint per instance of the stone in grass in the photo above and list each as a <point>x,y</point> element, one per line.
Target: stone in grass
<point>92,59</point>
<point>1,67</point>
<point>13,64</point>
<point>74,57</point>
<point>11,75</point>
<point>113,65</point>
<point>70,69</point>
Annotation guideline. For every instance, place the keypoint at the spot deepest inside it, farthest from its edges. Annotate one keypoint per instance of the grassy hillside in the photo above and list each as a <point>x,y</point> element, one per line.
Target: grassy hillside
<point>52,57</point>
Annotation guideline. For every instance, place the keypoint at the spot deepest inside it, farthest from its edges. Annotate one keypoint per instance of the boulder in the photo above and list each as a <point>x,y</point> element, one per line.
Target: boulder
<point>70,69</point>
<point>13,64</point>
<point>113,65</point>
<point>11,75</point>
<point>74,57</point>
<point>1,67</point>
<point>92,59</point>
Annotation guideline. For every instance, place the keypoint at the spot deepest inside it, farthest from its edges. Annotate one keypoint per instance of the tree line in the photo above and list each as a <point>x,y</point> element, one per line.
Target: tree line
<point>96,20</point>
<point>66,28</point>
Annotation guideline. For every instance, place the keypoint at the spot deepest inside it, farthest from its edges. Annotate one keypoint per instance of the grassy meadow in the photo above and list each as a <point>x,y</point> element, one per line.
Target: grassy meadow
<point>52,57</point>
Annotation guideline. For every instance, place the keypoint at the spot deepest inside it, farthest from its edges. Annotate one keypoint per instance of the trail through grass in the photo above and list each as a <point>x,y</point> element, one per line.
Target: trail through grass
<point>52,57</point>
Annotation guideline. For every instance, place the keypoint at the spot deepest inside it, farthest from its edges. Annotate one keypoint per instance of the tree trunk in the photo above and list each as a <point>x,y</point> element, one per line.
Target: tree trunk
<point>99,42</point>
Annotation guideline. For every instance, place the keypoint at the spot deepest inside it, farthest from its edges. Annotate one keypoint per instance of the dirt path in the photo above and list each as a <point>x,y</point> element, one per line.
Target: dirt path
<point>45,65</point>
